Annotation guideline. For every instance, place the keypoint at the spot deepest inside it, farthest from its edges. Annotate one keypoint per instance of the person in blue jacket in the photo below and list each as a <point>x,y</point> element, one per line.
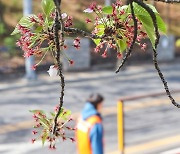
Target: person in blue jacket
<point>89,128</point>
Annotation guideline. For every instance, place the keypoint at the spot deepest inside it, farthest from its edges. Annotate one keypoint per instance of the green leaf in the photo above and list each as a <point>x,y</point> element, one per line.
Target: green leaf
<point>26,22</point>
<point>48,6</point>
<point>64,114</point>
<point>53,115</point>
<point>44,122</point>
<point>44,137</point>
<point>107,10</point>
<point>15,31</point>
<point>61,112</point>
<point>161,24</point>
<point>122,45</point>
<point>97,41</point>
<point>138,10</point>
<point>38,29</point>
<point>141,11</point>
<point>147,22</point>
<point>100,26</point>
<point>148,26</point>
<point>153,8</point>
<point>101,29</point>
<point>151,35</point>
<point>68,113</point>
<point>36,111</point>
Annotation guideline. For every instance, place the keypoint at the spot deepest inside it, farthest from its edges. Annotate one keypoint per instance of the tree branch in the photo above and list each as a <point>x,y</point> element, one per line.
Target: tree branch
<point>168,1</point>
<point>59,27</point>
<point>128,53</point>
<point>86,34</point>
<point>57,4</point>
<point>153,16</point>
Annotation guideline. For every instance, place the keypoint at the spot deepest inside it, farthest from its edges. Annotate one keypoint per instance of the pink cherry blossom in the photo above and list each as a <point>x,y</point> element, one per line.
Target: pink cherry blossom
<point>143,46</point>
<point>34,132</point>
<point>71,62</point>
<point>119,55</point>
<point>33,140</point>
<point>76,43</point>
<point>64,15</point>
<point>53,71</point>
<point>88,10</point>
<point>104,55</point>
<point>88,20</point>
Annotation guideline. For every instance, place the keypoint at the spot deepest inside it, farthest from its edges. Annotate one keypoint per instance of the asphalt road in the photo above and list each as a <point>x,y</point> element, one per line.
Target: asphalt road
<point>146,121</point>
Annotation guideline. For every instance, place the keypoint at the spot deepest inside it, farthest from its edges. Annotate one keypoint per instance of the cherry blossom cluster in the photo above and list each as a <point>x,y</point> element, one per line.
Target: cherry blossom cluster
<point>25,41</point>
<point>68,22</point>
<point>116,23</point>
<point>33,38</point>
<point>43,127</point>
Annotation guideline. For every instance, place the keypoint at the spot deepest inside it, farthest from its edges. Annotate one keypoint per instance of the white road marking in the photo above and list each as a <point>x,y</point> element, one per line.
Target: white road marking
<point>173,151</point>
<point>19,148</point>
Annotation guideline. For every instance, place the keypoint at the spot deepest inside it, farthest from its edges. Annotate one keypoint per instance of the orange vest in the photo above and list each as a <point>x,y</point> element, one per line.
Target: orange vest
<point>83,134</point>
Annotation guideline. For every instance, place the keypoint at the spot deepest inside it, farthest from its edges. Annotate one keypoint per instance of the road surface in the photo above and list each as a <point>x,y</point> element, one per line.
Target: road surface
<point>152,125</point>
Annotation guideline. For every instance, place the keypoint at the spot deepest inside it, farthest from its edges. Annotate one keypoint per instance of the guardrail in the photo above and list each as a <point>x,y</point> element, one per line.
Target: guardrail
<point>120,115</point>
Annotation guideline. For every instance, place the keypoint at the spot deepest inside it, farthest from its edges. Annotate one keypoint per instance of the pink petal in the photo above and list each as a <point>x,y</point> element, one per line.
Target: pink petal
<point>64,15</point>
<point>88,10</point>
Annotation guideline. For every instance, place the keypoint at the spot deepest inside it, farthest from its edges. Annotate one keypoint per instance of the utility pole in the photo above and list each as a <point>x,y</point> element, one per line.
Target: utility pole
<point>29,62</point>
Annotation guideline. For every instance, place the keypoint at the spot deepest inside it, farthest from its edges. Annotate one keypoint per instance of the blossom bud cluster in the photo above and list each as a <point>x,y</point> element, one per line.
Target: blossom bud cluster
<point>39,39</point>
<point>43,127</point>
<point>117,26</point>
<point>26,39</point>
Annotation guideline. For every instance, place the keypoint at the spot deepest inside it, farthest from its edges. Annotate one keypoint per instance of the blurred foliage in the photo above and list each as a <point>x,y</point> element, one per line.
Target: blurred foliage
<point>2,29</point>
<point>171,14</point>
<point>11,12</point>
<point>81,25</point>
<point>10,43</point>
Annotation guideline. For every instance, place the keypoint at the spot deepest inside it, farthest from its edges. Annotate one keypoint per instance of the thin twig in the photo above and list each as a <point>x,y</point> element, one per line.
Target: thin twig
<point>128,53</point>
<point>59,23</point>
<point>153,16</point>
<point>86,34</point>
<point>168,1</point>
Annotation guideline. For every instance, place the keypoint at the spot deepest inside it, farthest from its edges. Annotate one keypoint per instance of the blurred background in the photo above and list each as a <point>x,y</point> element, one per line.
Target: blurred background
<point>151,122</point>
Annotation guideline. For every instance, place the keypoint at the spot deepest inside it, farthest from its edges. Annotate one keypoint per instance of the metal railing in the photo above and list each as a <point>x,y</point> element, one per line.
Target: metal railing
<point>120,115</point>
